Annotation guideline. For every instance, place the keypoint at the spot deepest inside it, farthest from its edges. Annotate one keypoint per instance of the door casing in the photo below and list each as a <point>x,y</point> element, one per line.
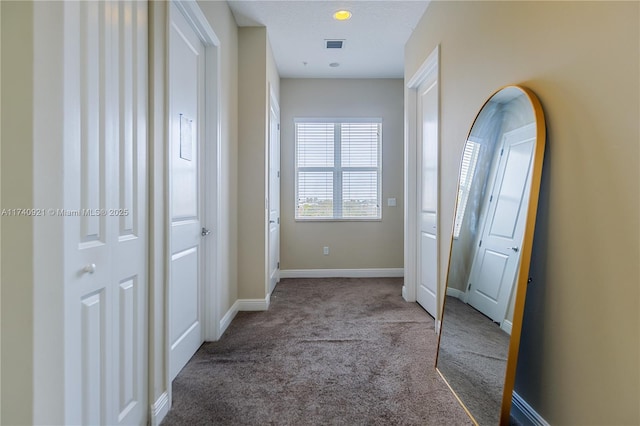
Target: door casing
<point>160,388</point>
<point>428,70</point>
<point>273,190</point>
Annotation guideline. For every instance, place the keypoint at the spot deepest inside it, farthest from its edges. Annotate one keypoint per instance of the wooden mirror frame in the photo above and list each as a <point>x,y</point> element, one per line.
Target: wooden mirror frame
<point>522,274</point>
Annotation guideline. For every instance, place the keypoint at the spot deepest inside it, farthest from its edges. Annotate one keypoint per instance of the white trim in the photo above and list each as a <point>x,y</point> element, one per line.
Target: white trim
<point>198,21</point>
<point>454,292</point>
<point>343,273</point>
<point>253,304</point>
<point>524,413</point>
<point>429,66</point>
<point>275,107</point>
<point>337,120</point>
<point>404,293</point>
<point>243,305</point>
<point>228,317</point>
<point>411,220</point>
<point>506,326</point>
<point>212,219</point>
<point>159,409</point>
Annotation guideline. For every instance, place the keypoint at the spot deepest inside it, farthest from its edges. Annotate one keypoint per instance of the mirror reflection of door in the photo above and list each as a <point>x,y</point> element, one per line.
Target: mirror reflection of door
<point>427,294</point>
<point>498,250</point>
<point>494,221</point>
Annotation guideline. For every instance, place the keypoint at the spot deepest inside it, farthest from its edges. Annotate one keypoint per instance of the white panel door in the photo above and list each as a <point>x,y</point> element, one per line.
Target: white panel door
<point>496,261</point>
<point>274,194</point>
<point>105,216</point>
<point>427,294</point>
<point>186,108</point>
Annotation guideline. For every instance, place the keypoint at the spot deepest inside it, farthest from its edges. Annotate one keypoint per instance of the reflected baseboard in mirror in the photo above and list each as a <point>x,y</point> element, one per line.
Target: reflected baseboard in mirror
<point>498,190</point>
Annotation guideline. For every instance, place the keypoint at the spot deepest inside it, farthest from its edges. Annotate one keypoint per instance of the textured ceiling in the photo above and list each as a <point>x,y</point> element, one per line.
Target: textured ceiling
<point>374,37</point>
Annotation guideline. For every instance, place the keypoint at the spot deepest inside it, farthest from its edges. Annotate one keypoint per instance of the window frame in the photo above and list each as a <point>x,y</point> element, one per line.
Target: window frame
<point>338,169</point>
<point>464,188</point>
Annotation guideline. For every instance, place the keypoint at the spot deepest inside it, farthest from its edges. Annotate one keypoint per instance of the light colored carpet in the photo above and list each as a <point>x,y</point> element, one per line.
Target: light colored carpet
<point>341,351</point>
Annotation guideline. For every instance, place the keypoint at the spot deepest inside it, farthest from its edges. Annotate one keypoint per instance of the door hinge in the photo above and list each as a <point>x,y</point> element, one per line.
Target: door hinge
<point>480,245</point>
<point>502,151</point>
<point>278,173</point>
<point>278,265</point>
<point>278,126</point>
<point>278,221</point>
<point>491,198</point>
<point>469,288</point>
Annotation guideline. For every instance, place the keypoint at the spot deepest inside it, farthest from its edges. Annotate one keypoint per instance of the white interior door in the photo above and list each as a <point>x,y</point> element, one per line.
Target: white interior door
<point>105,219</point>
<point>186,108</point>
<point>274,193</point>
<point>496,261</point>
<point>427,135</point>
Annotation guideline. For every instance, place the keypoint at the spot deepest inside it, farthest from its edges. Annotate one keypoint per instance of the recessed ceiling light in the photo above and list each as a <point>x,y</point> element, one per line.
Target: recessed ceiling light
<point>334,64</point>
<point>342,15</point>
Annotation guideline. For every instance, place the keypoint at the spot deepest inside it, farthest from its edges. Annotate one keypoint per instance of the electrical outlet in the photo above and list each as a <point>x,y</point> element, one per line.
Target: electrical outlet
<point>325,251</point>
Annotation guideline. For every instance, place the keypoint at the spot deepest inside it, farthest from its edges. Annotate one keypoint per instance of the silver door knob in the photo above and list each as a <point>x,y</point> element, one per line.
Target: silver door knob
<point>205,232</point>
<point>90,268</point>
<point>516,249</point>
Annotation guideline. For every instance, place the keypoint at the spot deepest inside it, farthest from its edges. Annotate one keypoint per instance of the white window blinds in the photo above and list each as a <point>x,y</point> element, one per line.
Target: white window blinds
<point>467,172</point>
<point>338,170</point>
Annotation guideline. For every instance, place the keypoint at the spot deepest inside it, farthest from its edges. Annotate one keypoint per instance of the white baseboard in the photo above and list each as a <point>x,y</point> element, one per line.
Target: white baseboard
<point>342,273</point>
<point>458,294</point>
<point>506,326</point>
<point>228,317</point>
<point>243,305</point>
<point>253,304</point>
<point>159,409</point>
<point>524,413</point>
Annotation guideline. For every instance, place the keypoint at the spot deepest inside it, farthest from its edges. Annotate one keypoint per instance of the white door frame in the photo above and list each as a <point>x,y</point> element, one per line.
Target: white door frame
<point>202,28</point>
<point>211,218</point>
<point>273,105</point>
<point>428,70</point>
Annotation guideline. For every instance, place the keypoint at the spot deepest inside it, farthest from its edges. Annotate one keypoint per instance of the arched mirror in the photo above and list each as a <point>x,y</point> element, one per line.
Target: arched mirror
<point>490,253</point>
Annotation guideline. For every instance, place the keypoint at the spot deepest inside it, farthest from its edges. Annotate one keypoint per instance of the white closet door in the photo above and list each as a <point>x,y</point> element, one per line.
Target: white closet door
<point>105,217</point>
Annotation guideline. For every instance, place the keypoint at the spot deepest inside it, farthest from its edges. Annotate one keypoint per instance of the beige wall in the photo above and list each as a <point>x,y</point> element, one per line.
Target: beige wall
<point>579,361</point>
<point>224,25</point>
<point>256,72</point>
<point>16,354</point>
<point>353,245</point>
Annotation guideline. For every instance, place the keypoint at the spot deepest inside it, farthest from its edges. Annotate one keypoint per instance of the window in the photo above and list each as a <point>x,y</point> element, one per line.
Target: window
<point>467,171</point>
<point>338,169</point>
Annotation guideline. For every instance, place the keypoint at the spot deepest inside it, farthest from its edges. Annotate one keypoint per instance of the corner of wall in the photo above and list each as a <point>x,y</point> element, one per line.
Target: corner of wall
<point>157,373</point>
<point>253,107</point>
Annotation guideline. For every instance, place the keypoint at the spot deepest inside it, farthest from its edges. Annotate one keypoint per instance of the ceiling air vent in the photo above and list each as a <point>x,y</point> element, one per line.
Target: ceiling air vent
<point>334,44</point>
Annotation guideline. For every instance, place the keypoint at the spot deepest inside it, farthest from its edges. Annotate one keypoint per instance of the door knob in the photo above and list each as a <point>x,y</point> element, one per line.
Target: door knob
<point>516,249</point>
<point>205,232</point>
<point>90,268</point>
